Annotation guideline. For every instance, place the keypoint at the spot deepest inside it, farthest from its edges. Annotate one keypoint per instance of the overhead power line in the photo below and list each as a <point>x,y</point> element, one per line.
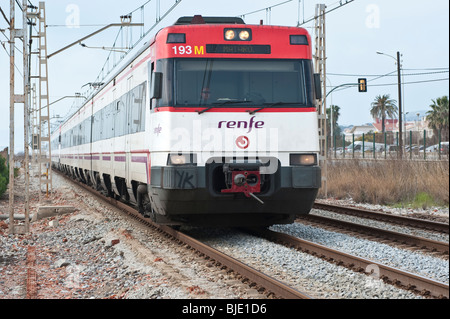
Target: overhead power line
<point>4,16</point>
<point>6,50</point>
<point>370,75</point>
<point>392,84</point>
<point>340,5</point>
<point>265,9</point>
<point>415,82</point>
<point>427,69</point>
<point>80,25</point>
<point>112,61</point>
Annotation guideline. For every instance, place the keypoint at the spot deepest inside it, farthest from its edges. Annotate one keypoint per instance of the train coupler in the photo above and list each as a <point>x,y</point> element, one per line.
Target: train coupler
<point>246,182</point>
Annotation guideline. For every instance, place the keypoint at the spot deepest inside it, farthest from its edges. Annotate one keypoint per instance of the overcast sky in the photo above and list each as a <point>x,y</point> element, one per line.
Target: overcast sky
<point>355,32</point>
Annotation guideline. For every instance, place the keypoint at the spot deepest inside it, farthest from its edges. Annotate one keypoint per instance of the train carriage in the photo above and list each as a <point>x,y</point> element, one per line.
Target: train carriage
<point>212,123</point>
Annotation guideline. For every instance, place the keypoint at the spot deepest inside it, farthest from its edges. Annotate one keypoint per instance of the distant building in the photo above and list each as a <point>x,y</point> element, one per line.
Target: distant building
<point>417,126</point>
<point>390,125</point>
<point>358,131</point>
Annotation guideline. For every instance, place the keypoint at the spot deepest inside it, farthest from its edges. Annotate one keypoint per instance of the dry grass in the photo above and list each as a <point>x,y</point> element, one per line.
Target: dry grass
<point>389,182</point>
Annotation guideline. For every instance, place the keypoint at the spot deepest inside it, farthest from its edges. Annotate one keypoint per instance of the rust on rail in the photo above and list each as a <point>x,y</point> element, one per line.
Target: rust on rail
<point>279,289</point>
<point>402,220</point>
<point>406,280</point>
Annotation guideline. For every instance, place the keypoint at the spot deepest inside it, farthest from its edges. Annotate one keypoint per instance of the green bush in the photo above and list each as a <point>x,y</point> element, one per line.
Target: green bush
<point>423,200</point>
<point>4,176</point>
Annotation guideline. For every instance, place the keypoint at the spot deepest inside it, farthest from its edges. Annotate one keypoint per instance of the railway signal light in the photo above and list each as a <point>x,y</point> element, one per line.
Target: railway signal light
<point>362,85</point>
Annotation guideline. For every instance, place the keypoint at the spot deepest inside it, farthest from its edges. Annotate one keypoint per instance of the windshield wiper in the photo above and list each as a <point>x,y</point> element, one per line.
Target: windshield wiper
<point>266,105</point>
<point>218,104</point>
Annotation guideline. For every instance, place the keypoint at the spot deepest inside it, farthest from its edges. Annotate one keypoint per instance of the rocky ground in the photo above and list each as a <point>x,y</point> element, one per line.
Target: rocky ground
<point>97,253</point>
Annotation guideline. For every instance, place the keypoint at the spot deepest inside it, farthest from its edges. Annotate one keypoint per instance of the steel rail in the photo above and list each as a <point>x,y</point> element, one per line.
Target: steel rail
<point>402,220</point>
<point>401,238</point>
<point>406,280</point>
<point>272,285</point>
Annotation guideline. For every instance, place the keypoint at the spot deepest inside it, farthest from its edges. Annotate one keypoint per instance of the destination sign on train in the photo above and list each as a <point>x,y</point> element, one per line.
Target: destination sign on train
<point>238,49</point>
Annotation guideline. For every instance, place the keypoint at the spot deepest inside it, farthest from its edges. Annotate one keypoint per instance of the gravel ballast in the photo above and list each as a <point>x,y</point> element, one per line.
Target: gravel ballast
<point>303,271</point>
<point>97,252</point>
<point>427,266</point>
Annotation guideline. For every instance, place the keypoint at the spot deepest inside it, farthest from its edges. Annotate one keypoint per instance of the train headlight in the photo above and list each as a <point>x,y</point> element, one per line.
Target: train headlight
<point>244,35</point>
<point>230,35</point>
<point>181,160</point>
<point>237,34</point>
<point>303,159</point>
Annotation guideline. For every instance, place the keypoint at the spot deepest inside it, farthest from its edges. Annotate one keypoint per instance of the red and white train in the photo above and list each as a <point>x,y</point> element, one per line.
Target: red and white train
<point>214,122</point>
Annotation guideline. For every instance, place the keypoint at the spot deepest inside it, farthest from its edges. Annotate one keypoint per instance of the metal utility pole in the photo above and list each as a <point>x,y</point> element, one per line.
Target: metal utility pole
<point>400,121</point>
<point>44,143</point>
<point>34,128</point>
<point>26,107</point>
<point>400,102</point>
<point>320,68</point>
<point>12,38</point>
<point>19,98</point>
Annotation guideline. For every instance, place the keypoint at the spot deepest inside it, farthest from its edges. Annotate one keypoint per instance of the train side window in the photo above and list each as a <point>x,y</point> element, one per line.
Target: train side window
<point>80,134</point>
<point>142,106</point>
<point>96,127</point>
<point>120,119</point>
<point>157,79</point>
<point>138,108</point>
<point>72,138</point>
<point>151,68</point>
<point>108,117</point>
<point>101,124</point>
<point>133,126</point>
<point>117,120</point>
<point>88,130</point>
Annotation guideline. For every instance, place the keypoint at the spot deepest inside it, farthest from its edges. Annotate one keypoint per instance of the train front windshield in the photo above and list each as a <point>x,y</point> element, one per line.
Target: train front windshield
<point>240,83</point>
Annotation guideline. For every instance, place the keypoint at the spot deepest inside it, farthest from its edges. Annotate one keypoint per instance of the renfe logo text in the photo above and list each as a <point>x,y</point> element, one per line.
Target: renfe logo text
<point>242,124</point>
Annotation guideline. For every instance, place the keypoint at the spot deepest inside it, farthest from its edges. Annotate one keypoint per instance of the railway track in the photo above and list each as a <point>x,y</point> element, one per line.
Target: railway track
<point>395,219</point>
<point>266,284</point>
<point>405,240</point>
<point>405,280</point>
<point>275,288</point>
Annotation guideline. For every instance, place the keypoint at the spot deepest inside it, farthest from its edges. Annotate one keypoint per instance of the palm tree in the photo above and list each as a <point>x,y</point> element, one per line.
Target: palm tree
<point>383,107</point>
<point>333,116</point>
<point>438,116</point>
<point>335,112</point>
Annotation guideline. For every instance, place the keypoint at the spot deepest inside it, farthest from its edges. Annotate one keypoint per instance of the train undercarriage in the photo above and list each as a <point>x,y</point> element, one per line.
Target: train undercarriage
<point>214,195</point>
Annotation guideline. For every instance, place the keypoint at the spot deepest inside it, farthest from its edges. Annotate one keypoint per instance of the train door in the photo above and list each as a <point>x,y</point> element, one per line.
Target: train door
<point>59,148</point>
<point>97,127</point>
<point>90,140</point>
<point>152,101</point>
<point>114,146</point>
<point>128,141</point>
